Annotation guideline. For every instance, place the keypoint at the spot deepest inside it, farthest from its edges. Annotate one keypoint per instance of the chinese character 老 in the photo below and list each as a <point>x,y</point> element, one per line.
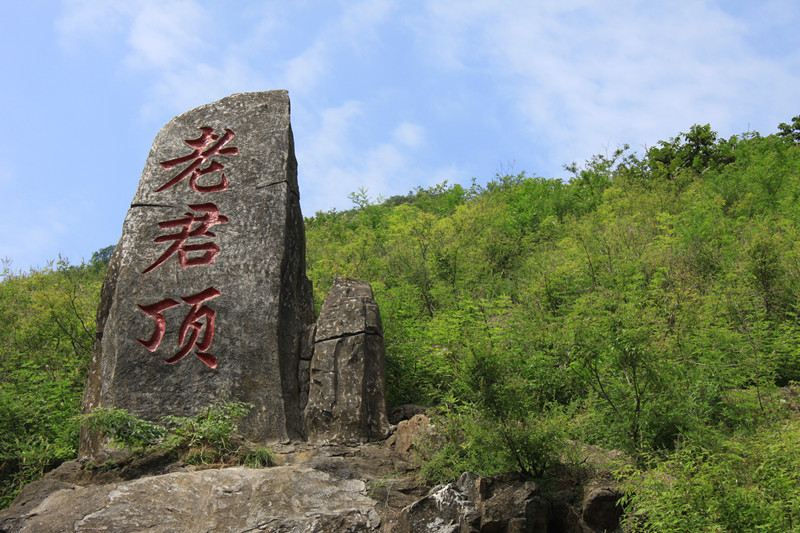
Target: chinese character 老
<point>205,147</point>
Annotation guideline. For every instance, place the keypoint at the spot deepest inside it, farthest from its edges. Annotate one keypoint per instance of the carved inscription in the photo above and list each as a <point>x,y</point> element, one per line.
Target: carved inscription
<point>192,226</point>
<point>203,150</point>
<point>191,326</point>
<point>195,225</point>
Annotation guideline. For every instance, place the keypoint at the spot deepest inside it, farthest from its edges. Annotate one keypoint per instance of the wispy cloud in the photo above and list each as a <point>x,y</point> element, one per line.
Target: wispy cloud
<point>91,22</point>
<point>165,35</point>
<point>185,88</point>
<point>591,74</point>
<point>302,73</point>
<point>353,30</point>
<point>409,134</point>
<point>174,43</point>
<point>336,162</point>
<point>40,232</point>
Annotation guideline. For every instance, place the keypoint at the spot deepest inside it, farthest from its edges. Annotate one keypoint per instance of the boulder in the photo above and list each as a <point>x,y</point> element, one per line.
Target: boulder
<point>408,434</point>
<point>346,393</point>
<point>333,488</point>
<point>206,297</point>
<point>279,499</point>
<point>601,508</point>
<point>479,504</point>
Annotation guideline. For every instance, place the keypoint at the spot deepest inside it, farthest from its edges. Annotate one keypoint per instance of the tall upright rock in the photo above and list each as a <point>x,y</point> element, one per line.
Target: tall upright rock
<point>346,391</point>
<point>206,296</point>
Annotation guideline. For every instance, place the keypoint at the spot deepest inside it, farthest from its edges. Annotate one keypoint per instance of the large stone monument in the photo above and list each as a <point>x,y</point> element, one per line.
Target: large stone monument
<point>206,297</point>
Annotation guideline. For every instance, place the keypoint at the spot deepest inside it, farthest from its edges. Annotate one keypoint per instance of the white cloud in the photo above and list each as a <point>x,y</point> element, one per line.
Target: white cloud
<point>36,233</point>
<point>359,23</point>
<point>91,21</point>
<point>356,28</point>
<point>584,74</point>
<point>186,88</point>
<point>408,134</point>
<point>304,71</point>
<point>335,162</point>
<point>167,34</point>
<point>172,42</point>
<point>178,46</point>
<point>330,141</point>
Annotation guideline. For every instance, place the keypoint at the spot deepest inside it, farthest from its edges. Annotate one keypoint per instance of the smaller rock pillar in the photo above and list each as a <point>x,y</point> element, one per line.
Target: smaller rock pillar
<point>346,393</point>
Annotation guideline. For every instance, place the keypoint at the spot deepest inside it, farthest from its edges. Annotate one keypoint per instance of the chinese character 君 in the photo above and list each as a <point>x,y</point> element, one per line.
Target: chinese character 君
<point>192,226</point>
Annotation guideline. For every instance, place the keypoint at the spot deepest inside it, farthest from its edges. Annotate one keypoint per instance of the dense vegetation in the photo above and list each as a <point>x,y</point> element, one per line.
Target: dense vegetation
<point>46,337</point>
<point>648,304</point>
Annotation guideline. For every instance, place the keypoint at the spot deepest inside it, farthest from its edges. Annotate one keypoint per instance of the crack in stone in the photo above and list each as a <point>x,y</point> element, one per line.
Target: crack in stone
<point>273,184</point>
<point>345,335</point>
<point>151,205</point>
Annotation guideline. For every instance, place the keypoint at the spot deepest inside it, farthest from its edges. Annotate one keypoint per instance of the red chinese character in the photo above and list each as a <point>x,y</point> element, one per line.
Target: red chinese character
<point>203,150</point>
<point>191,326</point>
<point>204,222</point>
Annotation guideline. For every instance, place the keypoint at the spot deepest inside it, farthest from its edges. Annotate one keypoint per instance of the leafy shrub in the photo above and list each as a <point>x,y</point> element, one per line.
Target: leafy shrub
<point>469,441</point>
<point>743,483</point>
<point>213,427</point>
<point>123,428</point>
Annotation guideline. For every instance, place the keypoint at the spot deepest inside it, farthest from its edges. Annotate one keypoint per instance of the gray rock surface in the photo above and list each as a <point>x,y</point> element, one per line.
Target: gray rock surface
<point>280,499</point>
<point>479,504</point>
<point>330,488</point>
<point>206,296</point>
<point>346,395</point>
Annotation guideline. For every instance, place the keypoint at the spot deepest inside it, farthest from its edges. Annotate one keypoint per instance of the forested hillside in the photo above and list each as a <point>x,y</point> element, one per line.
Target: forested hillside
<point>649,304</point>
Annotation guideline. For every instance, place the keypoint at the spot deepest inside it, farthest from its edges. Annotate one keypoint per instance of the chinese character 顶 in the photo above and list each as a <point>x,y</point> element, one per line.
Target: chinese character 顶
<point>203,150</point>
<point>191,326</point>
<point>204,222</point>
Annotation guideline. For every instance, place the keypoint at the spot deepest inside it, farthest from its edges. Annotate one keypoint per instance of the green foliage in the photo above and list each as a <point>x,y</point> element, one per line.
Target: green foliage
<point>101,257</point>
<point>260,457</point>
<point>743,483</point>
<point>466,440</point>
<point>206,438</point>
<point>654,297</point>
<point>211,428</point>
<point>46,338</point>
<point>123,428</point>
<point>202,456</point>
<point>791,131</point>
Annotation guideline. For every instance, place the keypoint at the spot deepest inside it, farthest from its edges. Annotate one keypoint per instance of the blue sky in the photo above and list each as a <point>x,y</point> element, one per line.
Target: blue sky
<point>386,94</point>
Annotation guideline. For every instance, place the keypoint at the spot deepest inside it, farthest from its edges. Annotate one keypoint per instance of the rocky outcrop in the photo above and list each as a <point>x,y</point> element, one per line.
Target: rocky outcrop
<point>346,398</point>
<point>279,499</point>
<point>601,508</point>
<point>405,412</point>
<point>505,503</point>
<point>479,504</point>
<point>370,487</point>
